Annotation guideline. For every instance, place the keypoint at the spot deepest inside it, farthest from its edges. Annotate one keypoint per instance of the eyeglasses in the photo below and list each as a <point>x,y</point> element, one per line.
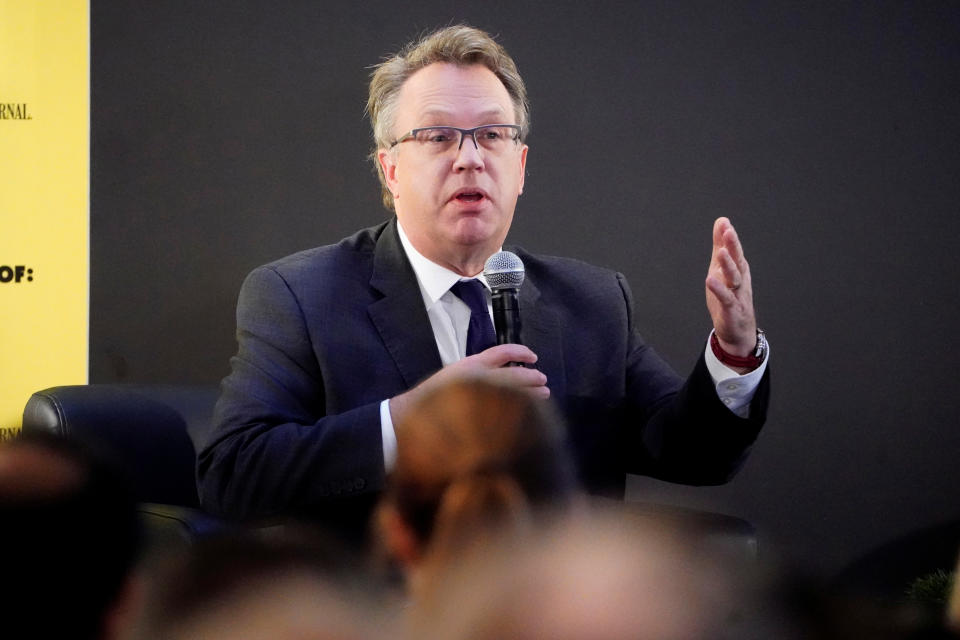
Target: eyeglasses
<point>492,137</point>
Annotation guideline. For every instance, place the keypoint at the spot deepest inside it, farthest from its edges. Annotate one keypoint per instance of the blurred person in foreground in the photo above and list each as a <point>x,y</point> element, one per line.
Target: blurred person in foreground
<point>70,536</point>
<point>953,603</point>
<point>597,577</point>
<point>336,343</point>
<point>475,459</point>
<point>610,574</point>
<point>282,583</point>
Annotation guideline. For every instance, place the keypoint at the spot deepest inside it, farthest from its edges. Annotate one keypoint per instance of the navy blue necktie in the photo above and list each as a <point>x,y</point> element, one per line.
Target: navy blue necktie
<point>480,334</point>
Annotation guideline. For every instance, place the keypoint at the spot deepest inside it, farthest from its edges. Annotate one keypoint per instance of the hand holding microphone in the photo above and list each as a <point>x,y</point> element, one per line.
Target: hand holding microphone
<point>504,273</point>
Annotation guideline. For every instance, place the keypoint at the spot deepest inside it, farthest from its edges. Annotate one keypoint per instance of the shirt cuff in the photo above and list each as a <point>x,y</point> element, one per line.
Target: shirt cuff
<point>734,390</point>
<point>389,437</point>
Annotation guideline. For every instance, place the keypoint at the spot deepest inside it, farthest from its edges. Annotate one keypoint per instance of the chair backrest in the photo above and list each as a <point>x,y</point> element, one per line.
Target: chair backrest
<point>143,427</point>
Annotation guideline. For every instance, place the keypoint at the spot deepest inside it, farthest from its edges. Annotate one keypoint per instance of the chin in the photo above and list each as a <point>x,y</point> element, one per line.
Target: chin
<point>479,228</point>
<point>470,231</point>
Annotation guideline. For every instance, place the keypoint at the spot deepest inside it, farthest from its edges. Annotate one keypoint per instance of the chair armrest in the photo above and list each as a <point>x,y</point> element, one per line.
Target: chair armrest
<point>168,525</point>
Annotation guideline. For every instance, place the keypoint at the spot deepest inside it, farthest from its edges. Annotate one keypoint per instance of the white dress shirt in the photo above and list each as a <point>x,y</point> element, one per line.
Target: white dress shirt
<point>450,318</point>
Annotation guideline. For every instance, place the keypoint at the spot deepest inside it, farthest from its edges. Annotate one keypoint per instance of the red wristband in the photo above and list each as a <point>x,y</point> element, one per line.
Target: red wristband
<point>751,361</point>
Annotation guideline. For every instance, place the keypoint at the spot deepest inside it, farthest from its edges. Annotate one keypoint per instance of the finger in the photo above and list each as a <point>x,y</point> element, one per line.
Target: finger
<point>729,270</point>
<point>520,376</point>
<point>721,291</point>
<point>720,225</point>
<point>528,380</point>
<point>731,240</point>
<point>543,393</point>
<point>501,354</point>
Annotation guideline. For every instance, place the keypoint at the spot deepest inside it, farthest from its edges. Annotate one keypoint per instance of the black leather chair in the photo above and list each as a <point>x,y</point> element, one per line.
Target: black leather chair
<point>143,428</point>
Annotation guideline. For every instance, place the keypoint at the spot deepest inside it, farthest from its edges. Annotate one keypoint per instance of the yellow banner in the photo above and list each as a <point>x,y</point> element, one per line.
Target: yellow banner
<point>44,199</point>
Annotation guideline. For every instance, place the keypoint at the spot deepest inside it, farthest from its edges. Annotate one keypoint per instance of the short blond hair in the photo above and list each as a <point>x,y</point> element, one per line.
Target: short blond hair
<point>461,45</point>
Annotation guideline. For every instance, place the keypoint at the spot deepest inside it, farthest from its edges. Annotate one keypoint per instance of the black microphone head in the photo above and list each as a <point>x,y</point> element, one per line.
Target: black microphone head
<point>503,270</point>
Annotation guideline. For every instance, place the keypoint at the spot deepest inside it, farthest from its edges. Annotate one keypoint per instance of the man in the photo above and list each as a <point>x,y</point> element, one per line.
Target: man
<point>336,342</point>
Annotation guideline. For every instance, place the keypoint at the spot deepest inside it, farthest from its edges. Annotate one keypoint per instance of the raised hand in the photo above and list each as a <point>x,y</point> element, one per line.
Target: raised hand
<point>729,292</point>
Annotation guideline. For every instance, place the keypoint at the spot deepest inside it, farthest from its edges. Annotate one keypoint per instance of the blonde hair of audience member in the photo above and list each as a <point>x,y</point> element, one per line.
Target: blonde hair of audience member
<point>472,458</point>
<point>460,45</point>
<point>602,576</point>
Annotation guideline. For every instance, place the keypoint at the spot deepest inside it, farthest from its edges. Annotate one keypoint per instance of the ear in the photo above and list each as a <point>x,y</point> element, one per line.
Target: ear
<point>523,165</point>
<point>398,538</point>
<point>388,164</point>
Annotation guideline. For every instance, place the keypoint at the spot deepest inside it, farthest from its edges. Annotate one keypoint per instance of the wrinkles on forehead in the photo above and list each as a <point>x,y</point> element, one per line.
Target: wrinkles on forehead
<point>445,117</point>
<point>449,96</point>
<point>464,114</point>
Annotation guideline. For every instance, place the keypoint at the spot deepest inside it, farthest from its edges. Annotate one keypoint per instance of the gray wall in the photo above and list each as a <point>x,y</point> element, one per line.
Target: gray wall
<point>226,136</point>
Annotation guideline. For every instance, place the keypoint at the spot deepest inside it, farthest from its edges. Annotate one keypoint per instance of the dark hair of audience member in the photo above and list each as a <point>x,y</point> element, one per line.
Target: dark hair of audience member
<point>472,457</point>
<point>70,535</point>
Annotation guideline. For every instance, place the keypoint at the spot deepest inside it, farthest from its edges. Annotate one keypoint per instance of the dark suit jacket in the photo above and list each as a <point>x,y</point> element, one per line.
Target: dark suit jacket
<point>325,335</point>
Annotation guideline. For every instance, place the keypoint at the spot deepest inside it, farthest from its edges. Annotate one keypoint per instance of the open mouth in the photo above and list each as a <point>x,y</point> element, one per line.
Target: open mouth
<point>470,196</point>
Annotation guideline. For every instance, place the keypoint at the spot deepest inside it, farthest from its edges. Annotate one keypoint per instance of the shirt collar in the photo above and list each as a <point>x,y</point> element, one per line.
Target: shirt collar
<point>433,279</point>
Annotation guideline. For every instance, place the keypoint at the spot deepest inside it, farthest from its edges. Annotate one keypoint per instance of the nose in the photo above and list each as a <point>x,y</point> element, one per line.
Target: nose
<point>472,135</point>
<point>469,155</point>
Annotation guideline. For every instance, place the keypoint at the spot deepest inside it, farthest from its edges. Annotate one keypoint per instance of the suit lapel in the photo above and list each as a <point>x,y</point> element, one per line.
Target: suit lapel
<point>542,331</point>
<point>399,315</point>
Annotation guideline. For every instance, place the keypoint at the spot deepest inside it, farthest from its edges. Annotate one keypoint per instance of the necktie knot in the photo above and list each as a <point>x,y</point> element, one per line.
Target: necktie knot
<point>480,333</point>
<point>471,292</point>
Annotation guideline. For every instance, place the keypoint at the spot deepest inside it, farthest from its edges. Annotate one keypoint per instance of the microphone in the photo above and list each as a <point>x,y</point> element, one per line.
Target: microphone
<point>503,271</point>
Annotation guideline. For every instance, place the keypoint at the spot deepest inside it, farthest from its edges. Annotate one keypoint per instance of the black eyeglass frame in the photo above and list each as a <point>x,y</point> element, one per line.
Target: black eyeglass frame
<point>411,135</point>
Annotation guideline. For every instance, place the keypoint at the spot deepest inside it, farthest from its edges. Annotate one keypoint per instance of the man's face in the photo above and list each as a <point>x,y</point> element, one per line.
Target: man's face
<point>456,207</point>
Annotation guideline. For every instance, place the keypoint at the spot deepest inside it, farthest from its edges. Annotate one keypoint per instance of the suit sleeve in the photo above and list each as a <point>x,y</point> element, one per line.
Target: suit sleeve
<point>686,434</point>
<point>272,448</point>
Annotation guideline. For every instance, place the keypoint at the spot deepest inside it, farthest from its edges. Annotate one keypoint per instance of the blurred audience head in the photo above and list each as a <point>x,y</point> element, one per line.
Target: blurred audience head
<point>261,585</point>
<point>597,577</point>
<point>607,574</point>
<point>472,458</point>
<point>70,535</point>
<point>953,603</point>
